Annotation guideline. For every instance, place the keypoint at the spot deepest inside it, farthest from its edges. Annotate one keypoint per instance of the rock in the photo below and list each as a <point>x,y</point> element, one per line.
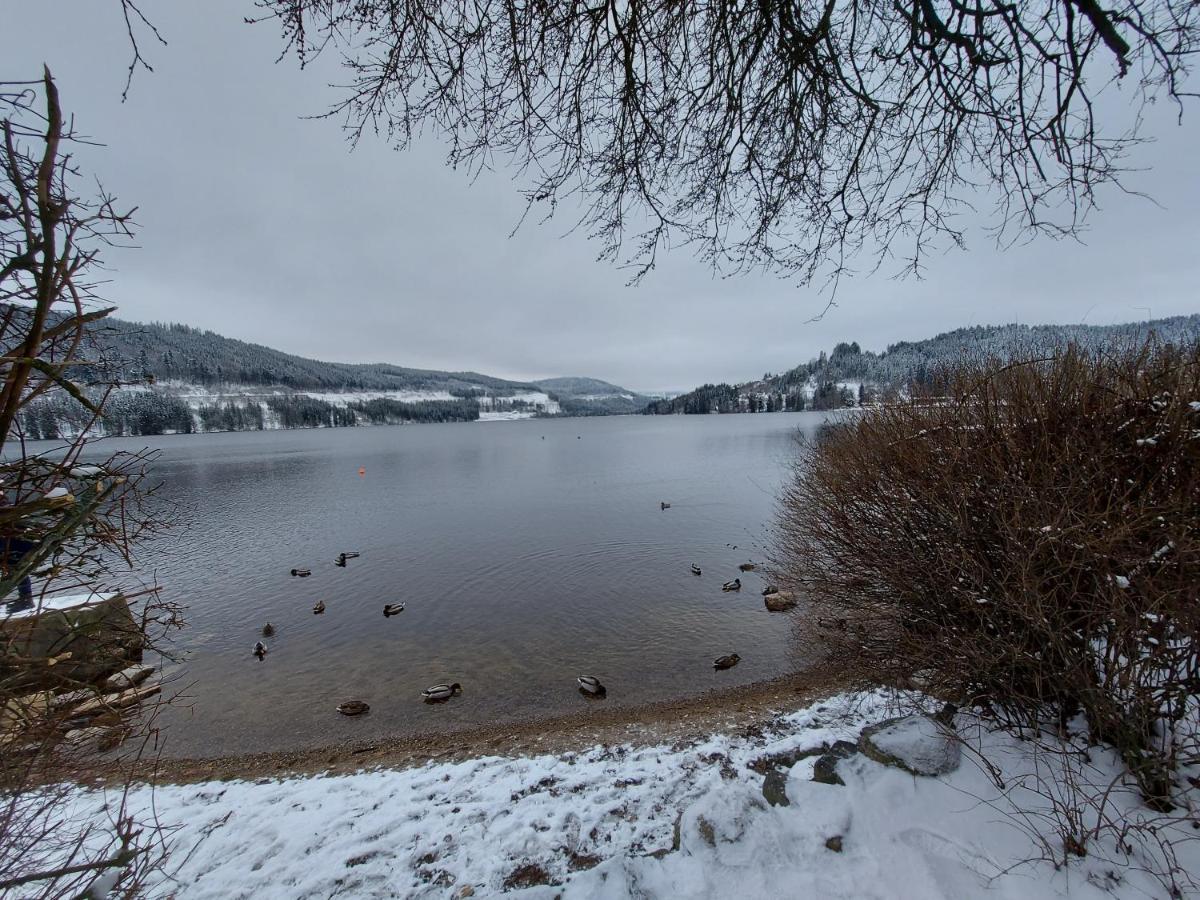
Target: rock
<point>774,788</point>
<point>79,736</point>
<point>22,712</point>
<point>834,843</point>
<point>129,677</point>
<point>785,759</point>
<point>465,891</point>
<point>98,631</point>
<point>71,698</point>
<point>779,601</point>
<point>825,769</point>
<point>916,743</point>
<point>708,833</point>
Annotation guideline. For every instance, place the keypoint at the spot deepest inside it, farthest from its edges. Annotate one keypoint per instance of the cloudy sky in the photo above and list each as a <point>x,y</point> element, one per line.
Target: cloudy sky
<point>260,223</point>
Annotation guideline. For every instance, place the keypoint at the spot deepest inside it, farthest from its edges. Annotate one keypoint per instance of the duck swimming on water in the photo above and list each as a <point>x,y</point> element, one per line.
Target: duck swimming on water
<point>301,573</point>
<point>747,567</point>
<point>664,505</point>
<point>726,662</point>
<point>260,649</point>
<point>695,569</point>
<point>319,608</point>
<point>591,685</point>
<point>342,557</point>
<point>735,585</point>
<point>393,609</point>
<point>439,692</point>
<point>353,708</point>
<point>268,630</point>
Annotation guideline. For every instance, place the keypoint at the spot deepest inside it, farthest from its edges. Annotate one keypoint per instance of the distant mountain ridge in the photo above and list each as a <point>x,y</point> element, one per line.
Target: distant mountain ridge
<point>184,379</point>
<point>591,396</point>
<point>849,376</point>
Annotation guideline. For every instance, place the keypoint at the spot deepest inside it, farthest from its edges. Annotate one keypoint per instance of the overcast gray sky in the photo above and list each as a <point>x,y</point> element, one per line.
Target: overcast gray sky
<point>261,224</point>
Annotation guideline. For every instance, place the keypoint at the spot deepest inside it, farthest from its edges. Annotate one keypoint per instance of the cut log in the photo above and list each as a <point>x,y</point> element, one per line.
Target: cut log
<point>118,701</point>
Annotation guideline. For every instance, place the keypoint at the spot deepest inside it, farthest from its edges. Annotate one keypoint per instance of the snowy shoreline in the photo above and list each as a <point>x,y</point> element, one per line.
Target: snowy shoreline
<point>690,819</point>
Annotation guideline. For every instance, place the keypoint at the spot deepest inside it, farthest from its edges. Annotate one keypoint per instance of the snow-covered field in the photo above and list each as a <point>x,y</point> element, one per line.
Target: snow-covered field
<point>665,821</point>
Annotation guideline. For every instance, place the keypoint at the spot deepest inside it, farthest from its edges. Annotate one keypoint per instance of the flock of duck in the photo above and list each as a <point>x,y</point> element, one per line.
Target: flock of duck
<point>589,685</point>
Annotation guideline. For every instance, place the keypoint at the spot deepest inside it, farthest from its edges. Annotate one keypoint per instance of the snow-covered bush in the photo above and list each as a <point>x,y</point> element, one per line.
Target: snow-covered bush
<point>1029,542</point>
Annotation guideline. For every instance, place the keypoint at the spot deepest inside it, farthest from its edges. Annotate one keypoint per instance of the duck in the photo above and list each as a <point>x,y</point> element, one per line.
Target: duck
<point>726,662</point>
<point>353,708</point>
<point>770,589</point>
<point>319,608</point>
<point>735,585</point>
<point>747,567</point>
<point>260,649</point>
<point>301,573</point>
<point>591,685</point>
<point>392,609</point>
<point>664,505</point>
<point>439,692</point>
<point>268,630</point>
<point>342,557</point>
<point>695,569</point>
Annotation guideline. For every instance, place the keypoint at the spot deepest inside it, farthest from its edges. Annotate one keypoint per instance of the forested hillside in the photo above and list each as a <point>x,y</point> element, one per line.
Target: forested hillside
<point>850,375</point>
<point>179,379</point>
<point>593,397</point>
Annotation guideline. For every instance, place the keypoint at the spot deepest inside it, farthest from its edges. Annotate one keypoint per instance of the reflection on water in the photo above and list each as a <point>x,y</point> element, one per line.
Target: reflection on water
<point>526,552</point>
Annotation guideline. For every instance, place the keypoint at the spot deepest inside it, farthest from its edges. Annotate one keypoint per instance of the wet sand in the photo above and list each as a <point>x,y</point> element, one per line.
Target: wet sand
<point>667,722</point>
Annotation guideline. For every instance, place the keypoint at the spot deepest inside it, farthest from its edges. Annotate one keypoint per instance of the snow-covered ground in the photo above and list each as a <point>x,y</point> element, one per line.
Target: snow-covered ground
<point>661,821</point>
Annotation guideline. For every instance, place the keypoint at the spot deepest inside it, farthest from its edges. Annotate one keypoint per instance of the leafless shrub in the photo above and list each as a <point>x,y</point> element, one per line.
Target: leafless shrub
<point>70,523</point>
<point>1028,542</point>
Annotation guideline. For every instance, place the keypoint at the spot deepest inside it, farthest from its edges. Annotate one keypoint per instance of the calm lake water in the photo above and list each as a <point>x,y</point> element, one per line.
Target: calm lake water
<point>526,553</point>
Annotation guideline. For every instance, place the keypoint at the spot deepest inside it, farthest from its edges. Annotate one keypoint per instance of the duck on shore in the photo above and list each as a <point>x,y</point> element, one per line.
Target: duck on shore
<point>695,569</point>
<point>353,708</point>
<point>260,650</point>
<point>591,685</point>
<point>726,662</point>
<point>319,608</point>
<point>735,585</point>
<point>301,573</point>
<point>438,692</point>
<point>392,609</point>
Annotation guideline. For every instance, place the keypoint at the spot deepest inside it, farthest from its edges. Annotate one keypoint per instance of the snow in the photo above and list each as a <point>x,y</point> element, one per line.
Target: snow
<point>66,601</point>
<point>919,744</point>
<point>681,821</point>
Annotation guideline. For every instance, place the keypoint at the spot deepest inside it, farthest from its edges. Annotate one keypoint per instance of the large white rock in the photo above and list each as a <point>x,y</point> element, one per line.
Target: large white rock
<point>917,744</point>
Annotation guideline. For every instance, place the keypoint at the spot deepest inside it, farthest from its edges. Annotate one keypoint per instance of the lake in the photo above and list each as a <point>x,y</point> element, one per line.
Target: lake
<point>526,553</point>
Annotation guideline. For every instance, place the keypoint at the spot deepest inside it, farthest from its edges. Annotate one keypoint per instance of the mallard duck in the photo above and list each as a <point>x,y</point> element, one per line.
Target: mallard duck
<point>301,573</point>
<point>268,630</point>
<point>726,662</point>
<point>695,570</point>
<point>747,567</point>
<point>260,649</point>
<point>439,692</point>
<point>353,708</point>
<point>770,589</point>
<point>342,557</point>
<point>319,607</point>
<point>664,505</point>
<point>393,609</point>
<point>591,685</point>
<point>735,585</point>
